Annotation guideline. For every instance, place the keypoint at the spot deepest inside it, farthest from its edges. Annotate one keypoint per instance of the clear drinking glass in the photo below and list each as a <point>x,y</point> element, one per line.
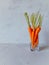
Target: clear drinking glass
<point>36,45</point>
<point>34,38</point>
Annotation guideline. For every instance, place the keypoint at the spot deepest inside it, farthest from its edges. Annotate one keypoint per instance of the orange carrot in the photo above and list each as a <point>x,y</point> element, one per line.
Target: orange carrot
<point>38,29</point>
<point>33,38</point>
<point>36,42</point>
<point>30,32</point>
<point>37,32</point>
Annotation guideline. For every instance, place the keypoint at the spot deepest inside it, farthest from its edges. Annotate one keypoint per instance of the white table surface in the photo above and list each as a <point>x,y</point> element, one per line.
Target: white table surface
<point>20,54</point>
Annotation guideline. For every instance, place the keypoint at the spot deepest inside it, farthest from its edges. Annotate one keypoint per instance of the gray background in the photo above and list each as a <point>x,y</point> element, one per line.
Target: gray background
<point>13,26</point>
<point>13,29</point>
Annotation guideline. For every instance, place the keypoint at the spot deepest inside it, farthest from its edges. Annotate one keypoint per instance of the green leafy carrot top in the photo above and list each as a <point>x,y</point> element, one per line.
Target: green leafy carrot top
<point>35,19</point>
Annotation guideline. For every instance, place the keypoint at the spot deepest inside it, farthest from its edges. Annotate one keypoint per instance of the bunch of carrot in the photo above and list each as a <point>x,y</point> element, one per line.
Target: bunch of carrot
<point>34,28</point>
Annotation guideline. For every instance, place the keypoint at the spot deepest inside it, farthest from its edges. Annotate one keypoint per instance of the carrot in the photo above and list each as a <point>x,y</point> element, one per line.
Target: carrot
<point>38,29</point>
<point>36,42</point>
<point>33,38</point>
<point>37,32</point>
<point>30,32</point>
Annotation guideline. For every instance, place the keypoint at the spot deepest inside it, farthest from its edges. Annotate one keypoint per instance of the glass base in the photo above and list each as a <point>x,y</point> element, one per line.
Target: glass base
<point>34,49</point>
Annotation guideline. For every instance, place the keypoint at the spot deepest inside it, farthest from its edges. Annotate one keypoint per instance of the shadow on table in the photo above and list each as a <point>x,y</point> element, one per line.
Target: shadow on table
<point>44,47</point>
<point>46,37</point>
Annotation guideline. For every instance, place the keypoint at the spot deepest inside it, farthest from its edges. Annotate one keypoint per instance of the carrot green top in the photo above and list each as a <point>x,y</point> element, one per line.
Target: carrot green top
<point>27,18</point>
<point>35,19</point>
